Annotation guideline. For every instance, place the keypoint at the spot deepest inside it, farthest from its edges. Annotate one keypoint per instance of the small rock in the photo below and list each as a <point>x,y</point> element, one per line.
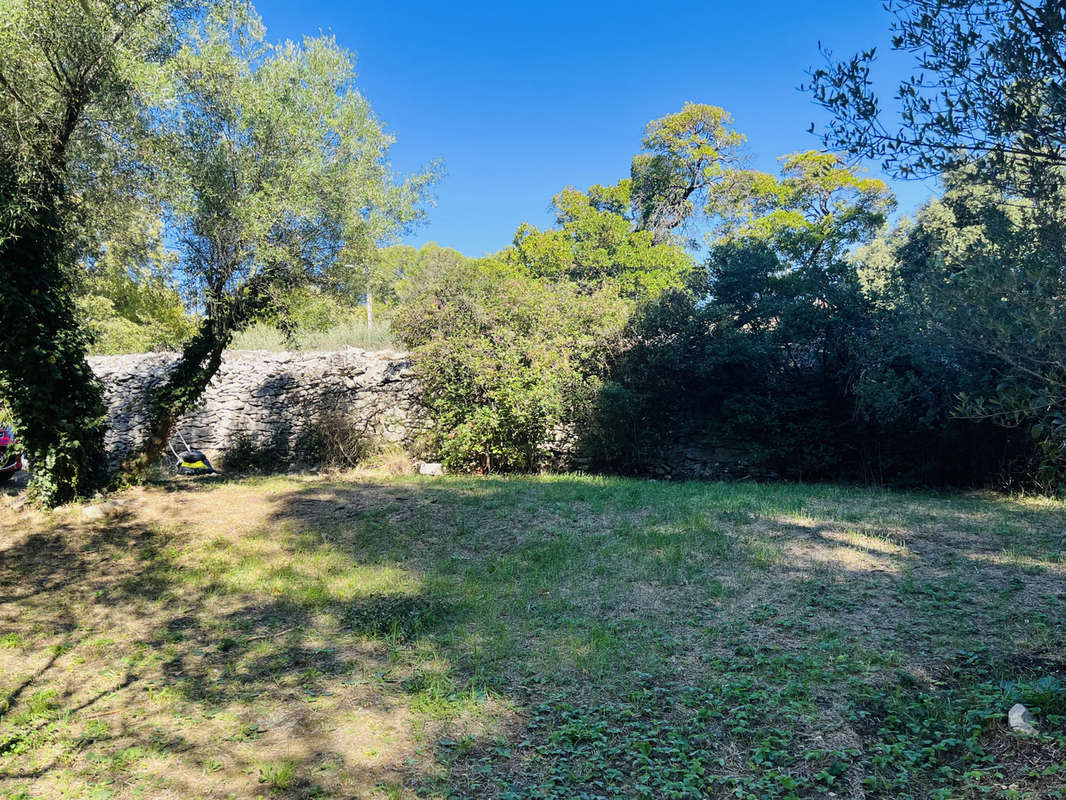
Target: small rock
<point>433,468</point>
<point>1020,720</point>
<point>100,511</point>
<point>93,512</point>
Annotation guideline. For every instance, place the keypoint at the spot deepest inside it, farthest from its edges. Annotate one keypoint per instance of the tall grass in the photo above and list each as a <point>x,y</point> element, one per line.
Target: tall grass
<point>347,333</point>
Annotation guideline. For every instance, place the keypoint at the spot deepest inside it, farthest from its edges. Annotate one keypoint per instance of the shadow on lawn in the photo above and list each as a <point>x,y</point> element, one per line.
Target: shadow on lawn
<point>493,558</point>
<point>830,616</point>
<point>69,585</point>
<point>895,574</point>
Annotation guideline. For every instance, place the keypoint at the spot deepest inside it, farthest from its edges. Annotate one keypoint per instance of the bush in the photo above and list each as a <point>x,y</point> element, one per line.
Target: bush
<point>337,439</point>
<point>798,390</point>
<point>245,453</point>
<point>505,359</point>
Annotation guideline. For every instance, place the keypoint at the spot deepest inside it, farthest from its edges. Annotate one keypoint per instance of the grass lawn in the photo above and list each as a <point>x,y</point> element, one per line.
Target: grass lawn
<point>549,637</point>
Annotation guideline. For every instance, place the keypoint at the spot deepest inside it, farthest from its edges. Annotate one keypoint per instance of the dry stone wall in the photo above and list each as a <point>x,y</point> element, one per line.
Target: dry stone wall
<point>270,401</point>
<point>273,403</point>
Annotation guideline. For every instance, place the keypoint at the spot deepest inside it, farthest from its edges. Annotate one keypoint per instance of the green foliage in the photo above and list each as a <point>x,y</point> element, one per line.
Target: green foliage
<point>127,297</point>
<point>975,327</point>
<point>984,107</point>
<point>684,156</point>
<point>932,741</point>
<point>307,310</point>
<point>809,216</point>
<point>597,245</point>
<point>346,332</point>
<point>279,157</point>
<point>68,115</point>
<point>609,637</point>
<point>380,272</point>
<point>761,349</point>
<point>912,740</point>
<point>110,332</point>
<point>504,358</point>
<point>812,360</point>
<point>278,775</point>
<point>986,89</point>
<point>512,351</point>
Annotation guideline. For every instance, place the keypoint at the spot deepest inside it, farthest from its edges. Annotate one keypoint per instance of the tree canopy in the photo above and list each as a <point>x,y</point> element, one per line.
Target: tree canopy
<point>279,167</point>
<point>73,77</point>
<point>684,154</point>
<point>988,88</point>
<point>597,243</point>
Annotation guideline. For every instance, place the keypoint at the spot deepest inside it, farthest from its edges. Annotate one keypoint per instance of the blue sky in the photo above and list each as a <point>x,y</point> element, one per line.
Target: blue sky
<point>520,100</point>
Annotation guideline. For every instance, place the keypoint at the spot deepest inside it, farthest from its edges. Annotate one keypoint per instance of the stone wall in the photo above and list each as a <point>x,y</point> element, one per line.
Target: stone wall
<point>271,401</point>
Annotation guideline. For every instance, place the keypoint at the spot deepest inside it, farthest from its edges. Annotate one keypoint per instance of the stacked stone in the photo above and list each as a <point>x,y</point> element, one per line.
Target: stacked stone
<point>271,400</point>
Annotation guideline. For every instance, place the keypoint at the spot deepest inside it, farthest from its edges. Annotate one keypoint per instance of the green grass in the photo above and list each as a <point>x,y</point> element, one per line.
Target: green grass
<point>544,637</point>
<point>347,333</point>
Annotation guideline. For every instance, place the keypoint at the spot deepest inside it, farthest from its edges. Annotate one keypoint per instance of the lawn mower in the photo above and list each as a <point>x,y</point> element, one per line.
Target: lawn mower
<point>190,462</point>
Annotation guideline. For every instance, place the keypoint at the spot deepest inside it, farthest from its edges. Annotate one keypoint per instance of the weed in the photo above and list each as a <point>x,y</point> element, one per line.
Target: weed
<point>278,775</point>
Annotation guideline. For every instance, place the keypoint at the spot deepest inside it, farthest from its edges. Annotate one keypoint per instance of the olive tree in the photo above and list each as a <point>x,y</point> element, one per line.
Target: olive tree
<point>73,78</point>
<point>282,167</point>
<point>988,89</point>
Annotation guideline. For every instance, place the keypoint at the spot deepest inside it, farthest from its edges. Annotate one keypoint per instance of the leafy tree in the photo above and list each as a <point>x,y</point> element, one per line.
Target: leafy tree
<point>974,284</point>
<point>127,296</point>
<point>380,273</point>
<point>684,156</point>
<point>810,216</point>
<point>284,168</point>
<point>68,72</point>
<point>987,106</point>
<point>761,349</point>
<point>597,243</point>
<point>512,350</point>
<point>989,89</point>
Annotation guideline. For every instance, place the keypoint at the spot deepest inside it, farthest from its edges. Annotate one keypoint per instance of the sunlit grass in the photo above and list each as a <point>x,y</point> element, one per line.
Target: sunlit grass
<point>347,333</point>
<point>376,636</point>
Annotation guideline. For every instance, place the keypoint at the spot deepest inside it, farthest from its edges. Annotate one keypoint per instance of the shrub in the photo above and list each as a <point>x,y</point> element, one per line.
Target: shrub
<point>245,453</point>
<point>338,439</point>
<point>505,358</point>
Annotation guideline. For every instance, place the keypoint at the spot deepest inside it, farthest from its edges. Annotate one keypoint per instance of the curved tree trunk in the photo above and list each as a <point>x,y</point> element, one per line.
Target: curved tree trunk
<point>183,387</point>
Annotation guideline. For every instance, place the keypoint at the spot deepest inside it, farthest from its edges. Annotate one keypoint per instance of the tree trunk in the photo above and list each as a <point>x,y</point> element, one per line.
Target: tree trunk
<point>54,395</point>
<point>183,387</point>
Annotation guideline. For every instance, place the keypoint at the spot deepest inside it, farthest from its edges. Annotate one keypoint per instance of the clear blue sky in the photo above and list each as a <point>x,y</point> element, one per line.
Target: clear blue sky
<point>520,100</point>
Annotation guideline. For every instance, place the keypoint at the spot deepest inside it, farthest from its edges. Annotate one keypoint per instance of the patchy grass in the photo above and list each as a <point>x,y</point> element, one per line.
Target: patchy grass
<point>548,637</point>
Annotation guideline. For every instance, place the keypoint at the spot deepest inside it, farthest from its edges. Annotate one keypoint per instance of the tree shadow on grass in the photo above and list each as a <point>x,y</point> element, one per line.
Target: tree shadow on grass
<point>343,606</point>
<point>260,682</point>
<point>835,589</point>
